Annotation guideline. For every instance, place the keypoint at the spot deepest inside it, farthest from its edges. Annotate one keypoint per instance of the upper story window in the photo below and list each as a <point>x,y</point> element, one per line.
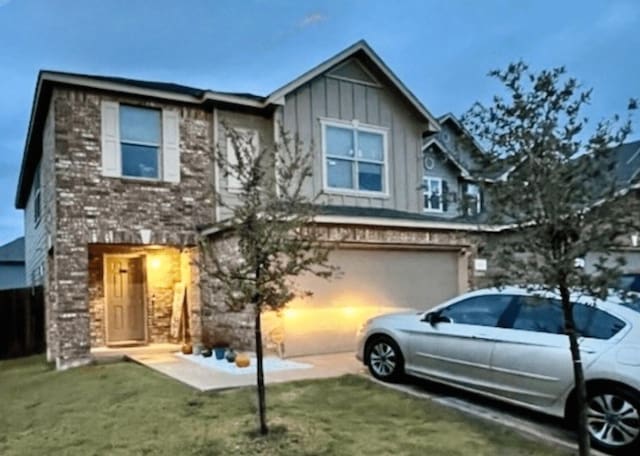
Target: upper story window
<point>474,199</point>
<point>37,199</point>
<point>140,142</point>
<point>435,191</point>
<point>355,157</point>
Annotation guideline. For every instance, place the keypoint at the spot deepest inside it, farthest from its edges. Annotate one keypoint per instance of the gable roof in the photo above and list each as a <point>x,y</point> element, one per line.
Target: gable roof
<point>12,252</point>
<point>627,162</point>
<point>185,94</point>
<point>361,48</point>
<point>435,141</point>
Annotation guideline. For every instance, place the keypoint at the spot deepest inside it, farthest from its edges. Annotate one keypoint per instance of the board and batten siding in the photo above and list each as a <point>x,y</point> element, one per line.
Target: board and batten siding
<point>244,123</point>
<point>35,235</point>
<point>327,98</point>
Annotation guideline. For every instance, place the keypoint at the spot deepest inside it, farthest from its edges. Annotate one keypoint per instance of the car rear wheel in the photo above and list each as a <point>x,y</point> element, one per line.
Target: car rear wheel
<point>384,359</point>
<point>613,419</point>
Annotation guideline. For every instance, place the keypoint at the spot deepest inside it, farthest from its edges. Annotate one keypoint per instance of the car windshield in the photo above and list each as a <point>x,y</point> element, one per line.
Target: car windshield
<point>632,303</point>
<point>629,282</point>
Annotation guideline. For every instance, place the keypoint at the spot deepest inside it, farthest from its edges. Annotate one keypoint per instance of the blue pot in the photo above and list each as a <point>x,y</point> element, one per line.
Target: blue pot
<point>220,351</point>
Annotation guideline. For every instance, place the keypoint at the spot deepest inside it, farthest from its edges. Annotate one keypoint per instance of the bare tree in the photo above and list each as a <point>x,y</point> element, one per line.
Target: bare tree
<point>559,195</point>
<point>271,228</point>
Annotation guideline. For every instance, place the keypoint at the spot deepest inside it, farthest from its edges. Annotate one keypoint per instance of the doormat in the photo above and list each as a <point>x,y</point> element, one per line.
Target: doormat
<point>270,363</point>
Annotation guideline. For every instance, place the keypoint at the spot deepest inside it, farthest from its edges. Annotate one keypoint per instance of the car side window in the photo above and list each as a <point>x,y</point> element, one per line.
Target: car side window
<point>479,310</point>
<point>595,323</point>
<point>545,315</point>
<point>540,315</point>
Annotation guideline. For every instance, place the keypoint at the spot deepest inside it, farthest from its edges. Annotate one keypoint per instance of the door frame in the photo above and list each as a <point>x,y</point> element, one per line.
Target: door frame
<point>142,256</point>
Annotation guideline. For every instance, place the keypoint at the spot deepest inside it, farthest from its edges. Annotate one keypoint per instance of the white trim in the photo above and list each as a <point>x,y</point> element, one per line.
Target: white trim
<point>354,81</point>
<point>382,222</point>
<point>276,149</point>
<point>343,55</point>
<point>357,62</point>
<point>402,223</point>
<point>426,191</point>
<point>354,126</point>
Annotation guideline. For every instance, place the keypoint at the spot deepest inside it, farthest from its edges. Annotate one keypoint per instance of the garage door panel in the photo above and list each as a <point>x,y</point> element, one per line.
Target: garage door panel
<point>371,282</point>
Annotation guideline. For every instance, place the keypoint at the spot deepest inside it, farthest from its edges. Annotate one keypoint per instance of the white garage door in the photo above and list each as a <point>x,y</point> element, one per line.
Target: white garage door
<point>372,282</point>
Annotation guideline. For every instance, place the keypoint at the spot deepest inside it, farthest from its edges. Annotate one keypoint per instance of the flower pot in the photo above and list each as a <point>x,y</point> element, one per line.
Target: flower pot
<point>230,356</point>
<point>206,352</point>
<point>197,349</point>
<point>243,360</point>
<point>187,348</point>
<point>220,351</point>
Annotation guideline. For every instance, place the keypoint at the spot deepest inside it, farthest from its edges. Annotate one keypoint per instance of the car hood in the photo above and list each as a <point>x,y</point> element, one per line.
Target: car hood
<point>397,316</point>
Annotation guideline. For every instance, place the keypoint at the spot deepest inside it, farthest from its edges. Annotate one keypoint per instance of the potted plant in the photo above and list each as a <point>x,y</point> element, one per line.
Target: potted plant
<point>220,348</point>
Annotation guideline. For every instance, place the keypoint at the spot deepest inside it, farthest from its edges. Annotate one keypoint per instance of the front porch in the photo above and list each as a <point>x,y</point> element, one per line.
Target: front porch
<point>141,295</point>
<point>164,358</point>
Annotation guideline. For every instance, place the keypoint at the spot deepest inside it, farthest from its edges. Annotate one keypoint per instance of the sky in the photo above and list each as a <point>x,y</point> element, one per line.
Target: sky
<point>442,50</point>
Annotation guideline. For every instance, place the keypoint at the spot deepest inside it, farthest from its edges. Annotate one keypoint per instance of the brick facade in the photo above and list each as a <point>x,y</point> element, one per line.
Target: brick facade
<point>92,209</point>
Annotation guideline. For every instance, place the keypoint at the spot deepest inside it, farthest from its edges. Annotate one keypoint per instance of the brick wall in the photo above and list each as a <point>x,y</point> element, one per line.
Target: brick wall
<point>92,209</point>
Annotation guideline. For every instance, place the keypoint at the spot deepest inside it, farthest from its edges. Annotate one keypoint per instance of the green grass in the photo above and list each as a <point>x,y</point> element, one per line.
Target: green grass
<point>125,409</point>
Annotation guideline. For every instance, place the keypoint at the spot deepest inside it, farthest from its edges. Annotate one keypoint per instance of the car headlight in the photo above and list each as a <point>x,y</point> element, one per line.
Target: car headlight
<point>364,326</point>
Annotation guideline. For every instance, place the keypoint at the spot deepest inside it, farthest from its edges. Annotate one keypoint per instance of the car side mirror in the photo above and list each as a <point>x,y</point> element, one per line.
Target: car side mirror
<point>434,318</point>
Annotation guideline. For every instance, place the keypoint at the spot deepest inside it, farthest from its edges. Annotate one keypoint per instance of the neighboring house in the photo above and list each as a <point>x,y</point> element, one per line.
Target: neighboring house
<point>627,176</point>
<point>451,171</point>
<point>12,272</point>
<point>118,183</point>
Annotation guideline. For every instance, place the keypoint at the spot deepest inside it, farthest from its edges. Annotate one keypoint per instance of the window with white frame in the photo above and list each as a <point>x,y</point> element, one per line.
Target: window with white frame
<point>433,189</point>
<point>355,157</point>
<point>249,143</point>
<point>474,201</point>
<point>37,199</point>
<point>140,141</point>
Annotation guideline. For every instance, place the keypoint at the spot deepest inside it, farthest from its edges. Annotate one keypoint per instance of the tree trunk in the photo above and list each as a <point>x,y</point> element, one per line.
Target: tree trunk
<point>262,407</point>
<point>584,444</point>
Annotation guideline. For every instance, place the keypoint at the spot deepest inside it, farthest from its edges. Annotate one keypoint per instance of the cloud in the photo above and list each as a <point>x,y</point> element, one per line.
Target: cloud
<point>309,19</point>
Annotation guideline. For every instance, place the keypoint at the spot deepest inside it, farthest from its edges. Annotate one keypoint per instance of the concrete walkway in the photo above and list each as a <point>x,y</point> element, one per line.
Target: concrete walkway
<point>162,358</point>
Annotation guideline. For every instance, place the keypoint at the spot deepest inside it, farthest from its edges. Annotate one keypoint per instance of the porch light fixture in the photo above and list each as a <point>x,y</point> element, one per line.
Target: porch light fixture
<point>634,239</point>
<point>155,263</point>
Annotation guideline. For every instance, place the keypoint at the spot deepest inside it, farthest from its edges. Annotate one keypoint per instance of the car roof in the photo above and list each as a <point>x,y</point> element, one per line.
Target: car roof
<point>611,304</point>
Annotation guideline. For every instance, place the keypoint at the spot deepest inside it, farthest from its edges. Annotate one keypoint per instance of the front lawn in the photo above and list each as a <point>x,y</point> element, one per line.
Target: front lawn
<point>124,409</point>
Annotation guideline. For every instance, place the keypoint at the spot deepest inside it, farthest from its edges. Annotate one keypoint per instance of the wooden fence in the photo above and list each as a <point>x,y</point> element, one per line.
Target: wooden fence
<point>21,322</point>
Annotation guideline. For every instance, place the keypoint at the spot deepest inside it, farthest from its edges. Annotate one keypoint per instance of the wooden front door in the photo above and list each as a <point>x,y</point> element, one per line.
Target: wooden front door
<point>124,299</point>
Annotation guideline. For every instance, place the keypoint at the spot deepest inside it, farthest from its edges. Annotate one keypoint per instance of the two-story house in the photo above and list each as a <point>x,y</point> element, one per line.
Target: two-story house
<point>118,181</point>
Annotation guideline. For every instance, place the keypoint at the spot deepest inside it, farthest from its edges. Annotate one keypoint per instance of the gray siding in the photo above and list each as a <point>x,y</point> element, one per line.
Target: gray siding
<point>233,119</point>
<point>35,235</point>
<point>12,276</point>
<point>460,149</point>
<point>449,173</point>
<point>334,99</point>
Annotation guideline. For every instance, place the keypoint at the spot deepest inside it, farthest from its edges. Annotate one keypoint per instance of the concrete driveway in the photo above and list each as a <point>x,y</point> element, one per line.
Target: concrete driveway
<point>529,423</point>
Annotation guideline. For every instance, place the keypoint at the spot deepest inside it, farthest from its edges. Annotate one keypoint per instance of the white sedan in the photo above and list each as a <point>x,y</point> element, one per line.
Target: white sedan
<point>510,344</point>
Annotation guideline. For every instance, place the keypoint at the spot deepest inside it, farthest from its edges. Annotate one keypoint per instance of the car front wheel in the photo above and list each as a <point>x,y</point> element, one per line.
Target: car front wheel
<point>384,359</point>
<point>613,420</point>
